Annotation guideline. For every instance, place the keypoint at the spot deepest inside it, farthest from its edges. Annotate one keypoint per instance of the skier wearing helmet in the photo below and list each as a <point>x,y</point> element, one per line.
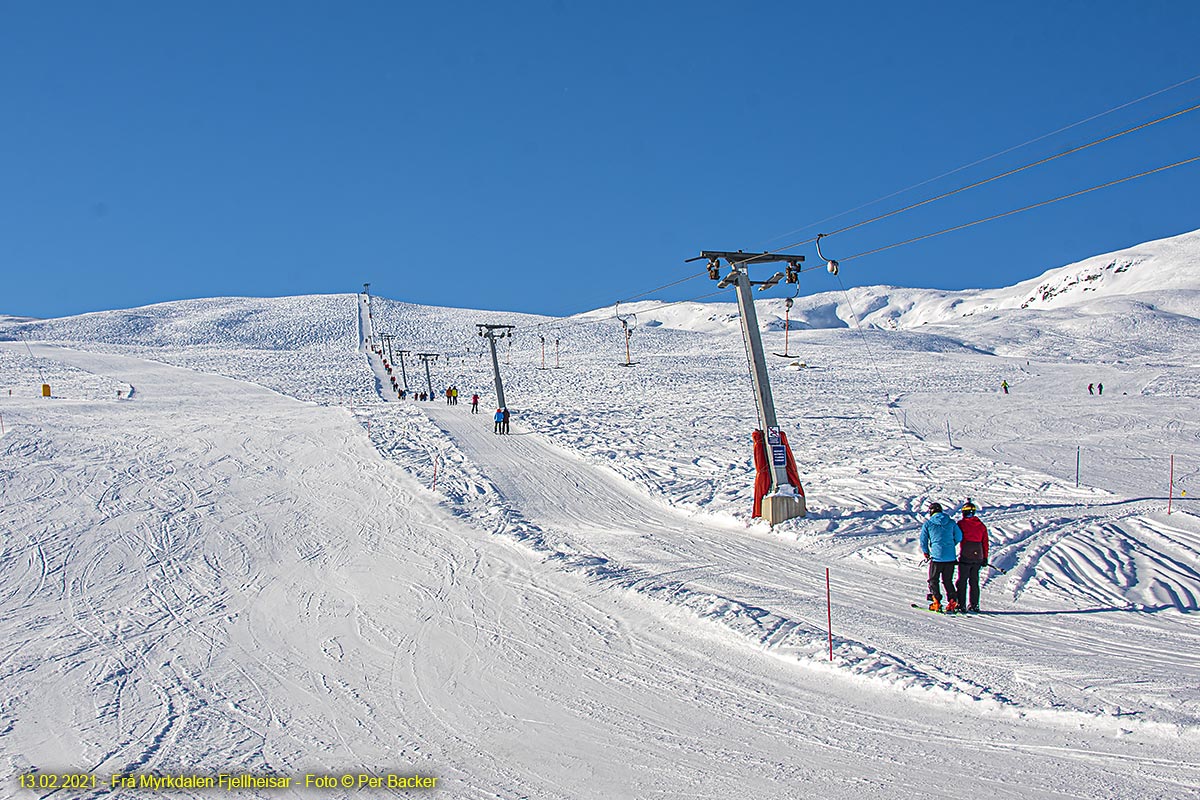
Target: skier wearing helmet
<point>939,539</point>
<point>972,556</point>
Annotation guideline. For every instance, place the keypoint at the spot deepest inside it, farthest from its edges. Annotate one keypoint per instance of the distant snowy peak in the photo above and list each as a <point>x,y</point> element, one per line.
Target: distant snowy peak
<point>1163,275</point>
<point>1164,265</point>
<point>1088,280</point>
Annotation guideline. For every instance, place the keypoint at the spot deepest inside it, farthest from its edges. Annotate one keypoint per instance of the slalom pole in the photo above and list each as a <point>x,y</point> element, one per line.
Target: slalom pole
<point>433,487</point>
<point>1171,485</point>
<point>829,613</point>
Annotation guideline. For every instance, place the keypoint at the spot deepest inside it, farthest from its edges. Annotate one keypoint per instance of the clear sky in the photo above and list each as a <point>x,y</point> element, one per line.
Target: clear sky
<point>554,156</point>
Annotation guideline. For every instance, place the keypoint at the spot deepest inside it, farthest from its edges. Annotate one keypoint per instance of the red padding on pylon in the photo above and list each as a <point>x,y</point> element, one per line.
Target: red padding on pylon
<point>762,470</point>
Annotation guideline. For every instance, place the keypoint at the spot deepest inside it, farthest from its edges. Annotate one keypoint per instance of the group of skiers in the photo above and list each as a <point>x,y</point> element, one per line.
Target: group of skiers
<point>451,395</point>
<point>501,418</point>
<point>947,544</point>
<point>1096,388</point>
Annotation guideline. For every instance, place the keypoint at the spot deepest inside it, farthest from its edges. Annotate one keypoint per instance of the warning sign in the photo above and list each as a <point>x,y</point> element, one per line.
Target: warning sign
<point>773,436</point>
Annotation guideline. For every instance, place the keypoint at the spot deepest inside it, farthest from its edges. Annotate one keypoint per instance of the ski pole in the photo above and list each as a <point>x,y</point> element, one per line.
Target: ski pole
<point>1001,571</point>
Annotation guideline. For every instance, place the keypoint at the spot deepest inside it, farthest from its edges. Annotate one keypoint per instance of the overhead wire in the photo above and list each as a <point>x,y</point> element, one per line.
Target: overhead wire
<point>985,159</point>
<point>998,176</point>
<point>878,374</point>
<point>1023,208</point>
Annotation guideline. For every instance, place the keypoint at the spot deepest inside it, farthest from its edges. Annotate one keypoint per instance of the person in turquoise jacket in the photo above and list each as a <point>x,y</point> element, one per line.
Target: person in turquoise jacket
<point>940,536</point>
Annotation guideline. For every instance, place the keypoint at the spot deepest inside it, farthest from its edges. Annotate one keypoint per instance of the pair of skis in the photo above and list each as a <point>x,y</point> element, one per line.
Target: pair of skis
<point>946,613</point>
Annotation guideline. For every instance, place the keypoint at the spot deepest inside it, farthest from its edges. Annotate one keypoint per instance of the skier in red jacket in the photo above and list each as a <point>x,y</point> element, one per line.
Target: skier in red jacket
<point>972,556</point>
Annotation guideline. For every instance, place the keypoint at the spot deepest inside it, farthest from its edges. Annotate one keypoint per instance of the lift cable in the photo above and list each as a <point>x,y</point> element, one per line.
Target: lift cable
<point>1023,208</point>
<point>985,159</point>
<point>998,176</point>
<point>879,376</point>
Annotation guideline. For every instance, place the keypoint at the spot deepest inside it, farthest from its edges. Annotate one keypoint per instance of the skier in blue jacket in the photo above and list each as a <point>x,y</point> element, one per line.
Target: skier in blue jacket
<point>940,536</point>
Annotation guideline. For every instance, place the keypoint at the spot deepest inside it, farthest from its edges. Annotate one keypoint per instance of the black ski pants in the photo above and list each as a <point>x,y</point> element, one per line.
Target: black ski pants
<point>942,572</point>
<point>968,577</point>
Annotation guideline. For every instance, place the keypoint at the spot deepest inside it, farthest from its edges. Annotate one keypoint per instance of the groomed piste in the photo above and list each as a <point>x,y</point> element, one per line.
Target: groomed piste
<point>231,548</point>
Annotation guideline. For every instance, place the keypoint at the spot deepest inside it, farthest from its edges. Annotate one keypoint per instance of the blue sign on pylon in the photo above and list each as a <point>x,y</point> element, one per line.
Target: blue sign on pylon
<point>778,455</point>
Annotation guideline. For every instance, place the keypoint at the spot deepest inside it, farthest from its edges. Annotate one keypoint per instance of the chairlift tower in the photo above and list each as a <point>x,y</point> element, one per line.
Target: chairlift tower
<point>426,358</point>
<point>783,501</point>
<point>491,333</point>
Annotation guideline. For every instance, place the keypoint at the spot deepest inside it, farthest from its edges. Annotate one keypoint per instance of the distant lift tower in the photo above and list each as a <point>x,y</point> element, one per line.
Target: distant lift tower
<point>784,501</point>
<point>426,358</point>
<point>491,333</point>
<point>403,373</point>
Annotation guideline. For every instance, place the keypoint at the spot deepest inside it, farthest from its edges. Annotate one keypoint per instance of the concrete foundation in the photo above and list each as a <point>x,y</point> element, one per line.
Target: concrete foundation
<point>779,507</point>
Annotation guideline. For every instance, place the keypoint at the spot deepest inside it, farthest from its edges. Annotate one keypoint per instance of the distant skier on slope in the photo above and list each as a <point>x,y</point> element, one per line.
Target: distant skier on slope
<point>939,540</point>
<point>972,556</point>
<point>474,404</point>
<point>1004,386</point>
<point>1100,388</point>
<point>1091,388</point>
<point>504,429</point>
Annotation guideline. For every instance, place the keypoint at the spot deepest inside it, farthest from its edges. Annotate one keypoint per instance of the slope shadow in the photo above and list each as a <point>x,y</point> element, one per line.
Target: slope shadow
<point>1105,610</point>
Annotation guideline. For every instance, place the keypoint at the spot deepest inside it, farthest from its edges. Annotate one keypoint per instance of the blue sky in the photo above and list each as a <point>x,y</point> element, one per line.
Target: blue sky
<point>555,156</point>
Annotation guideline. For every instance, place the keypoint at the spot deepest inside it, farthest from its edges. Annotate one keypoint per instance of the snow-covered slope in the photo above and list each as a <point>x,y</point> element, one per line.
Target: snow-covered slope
<point>202,575</point>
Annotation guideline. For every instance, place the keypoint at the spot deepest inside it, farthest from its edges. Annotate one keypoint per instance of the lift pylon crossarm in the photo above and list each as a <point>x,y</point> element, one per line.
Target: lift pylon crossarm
<point>736,258</point>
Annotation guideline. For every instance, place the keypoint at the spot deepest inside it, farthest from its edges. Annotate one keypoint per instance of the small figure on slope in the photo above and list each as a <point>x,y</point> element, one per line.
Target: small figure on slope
<point>1091,388</point>
<point>1004,386</point>
<point>972,556</point>
<point>474,404</point>
<point>939,542</point>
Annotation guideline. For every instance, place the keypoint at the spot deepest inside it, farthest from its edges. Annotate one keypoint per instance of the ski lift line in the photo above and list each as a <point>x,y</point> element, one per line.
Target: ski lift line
<point>1014,171</point>
<point>664,286</point>
<point>998,176</point>
<point>1024,208</point>
<point>985,159</point>
<point>878,374</point>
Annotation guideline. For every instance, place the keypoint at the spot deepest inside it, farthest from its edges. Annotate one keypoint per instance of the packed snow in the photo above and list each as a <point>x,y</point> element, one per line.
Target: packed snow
<point>230,547</point>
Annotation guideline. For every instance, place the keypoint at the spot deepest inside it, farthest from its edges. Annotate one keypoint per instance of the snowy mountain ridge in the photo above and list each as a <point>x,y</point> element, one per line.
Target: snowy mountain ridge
<point>1163,274</point>
<point>1124,304</point>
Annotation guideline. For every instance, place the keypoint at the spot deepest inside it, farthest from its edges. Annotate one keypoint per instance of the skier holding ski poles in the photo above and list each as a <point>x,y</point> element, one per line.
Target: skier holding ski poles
<point>939,541</point>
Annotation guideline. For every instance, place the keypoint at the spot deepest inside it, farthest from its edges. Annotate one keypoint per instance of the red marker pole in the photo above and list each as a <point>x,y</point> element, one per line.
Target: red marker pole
<point>829,613</point>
